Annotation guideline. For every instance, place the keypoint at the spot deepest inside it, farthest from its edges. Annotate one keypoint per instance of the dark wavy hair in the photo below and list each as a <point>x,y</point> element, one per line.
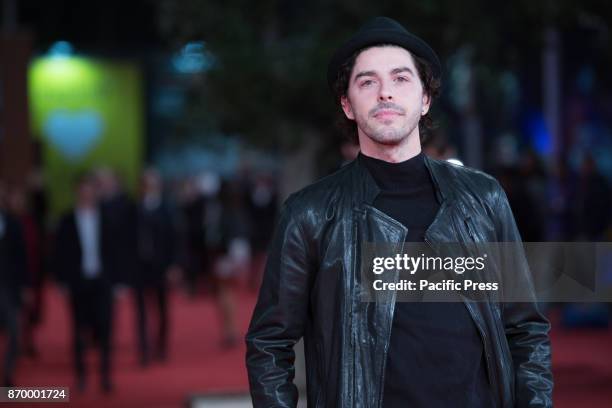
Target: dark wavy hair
<point>431,87</point>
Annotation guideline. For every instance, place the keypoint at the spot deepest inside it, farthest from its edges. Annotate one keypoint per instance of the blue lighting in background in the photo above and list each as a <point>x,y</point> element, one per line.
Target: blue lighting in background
<point>61,49</point>
<point>538,135</point>
<point>193,58</point>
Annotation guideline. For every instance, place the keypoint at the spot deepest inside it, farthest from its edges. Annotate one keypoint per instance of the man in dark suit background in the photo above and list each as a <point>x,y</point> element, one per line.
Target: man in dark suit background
<point>119,212</point>
<point>13,279</point>
<point>83,247</point>
<point>156,253</point>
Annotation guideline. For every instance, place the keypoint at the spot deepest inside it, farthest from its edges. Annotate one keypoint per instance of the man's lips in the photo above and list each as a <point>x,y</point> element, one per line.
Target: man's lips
<point>386,113</point>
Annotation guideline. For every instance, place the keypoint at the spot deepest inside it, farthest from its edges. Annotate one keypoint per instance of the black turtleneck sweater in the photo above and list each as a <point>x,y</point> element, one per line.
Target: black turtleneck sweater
<point>435,356</point>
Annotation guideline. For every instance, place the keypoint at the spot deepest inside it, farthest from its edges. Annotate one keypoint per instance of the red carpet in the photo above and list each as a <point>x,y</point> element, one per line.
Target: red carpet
<point>197,363</point>
<point>582,367</point>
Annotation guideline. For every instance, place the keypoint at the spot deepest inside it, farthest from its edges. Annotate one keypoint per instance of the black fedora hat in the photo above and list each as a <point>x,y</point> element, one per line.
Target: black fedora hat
<point>382,30</point>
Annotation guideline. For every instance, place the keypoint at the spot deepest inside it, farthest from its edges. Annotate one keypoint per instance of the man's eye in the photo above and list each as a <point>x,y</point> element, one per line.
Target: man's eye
<point>401,79</point>
<point>366,83</point>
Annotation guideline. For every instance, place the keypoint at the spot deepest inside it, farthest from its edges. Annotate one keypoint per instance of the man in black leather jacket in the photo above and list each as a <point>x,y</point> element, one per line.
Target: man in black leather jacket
<point>385,79</point>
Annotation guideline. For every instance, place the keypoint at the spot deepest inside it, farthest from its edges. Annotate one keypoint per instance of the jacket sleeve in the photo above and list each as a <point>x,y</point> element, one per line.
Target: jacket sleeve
<point>526,327</point>
<point>279,316</point>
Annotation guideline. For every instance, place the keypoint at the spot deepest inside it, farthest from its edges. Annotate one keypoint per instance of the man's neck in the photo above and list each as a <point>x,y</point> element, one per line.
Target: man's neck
<point>407,149</point>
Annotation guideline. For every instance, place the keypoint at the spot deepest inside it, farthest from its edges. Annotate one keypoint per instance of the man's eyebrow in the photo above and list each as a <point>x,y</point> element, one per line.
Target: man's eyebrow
<point>401,69</point>
<point>394,71</point>
<point>364,73</point>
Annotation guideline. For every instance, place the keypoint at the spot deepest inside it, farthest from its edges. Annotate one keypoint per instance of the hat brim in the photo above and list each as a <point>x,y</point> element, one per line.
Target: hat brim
<point>373,37</point>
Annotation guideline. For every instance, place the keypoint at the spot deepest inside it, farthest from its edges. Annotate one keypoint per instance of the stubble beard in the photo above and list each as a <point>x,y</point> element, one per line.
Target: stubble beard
<point>385,134</point>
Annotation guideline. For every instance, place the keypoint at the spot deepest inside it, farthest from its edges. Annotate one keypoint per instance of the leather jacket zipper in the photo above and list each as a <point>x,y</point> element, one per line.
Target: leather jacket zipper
<point>483,335</point>
<point>482,332</point>
<point>386,347</point>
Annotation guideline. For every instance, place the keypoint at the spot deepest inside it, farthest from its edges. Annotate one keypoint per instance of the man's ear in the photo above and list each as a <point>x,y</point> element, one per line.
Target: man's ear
<point>426,102</point>
<point>346,107</point>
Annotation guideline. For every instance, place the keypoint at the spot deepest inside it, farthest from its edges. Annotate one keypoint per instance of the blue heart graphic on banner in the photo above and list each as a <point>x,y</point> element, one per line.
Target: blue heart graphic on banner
<point>73,133</point>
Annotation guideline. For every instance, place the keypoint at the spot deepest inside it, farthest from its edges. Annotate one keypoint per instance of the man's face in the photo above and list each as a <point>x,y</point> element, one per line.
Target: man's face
<point>385,95</point>
<point>86,194</point>
<point>150,183</point>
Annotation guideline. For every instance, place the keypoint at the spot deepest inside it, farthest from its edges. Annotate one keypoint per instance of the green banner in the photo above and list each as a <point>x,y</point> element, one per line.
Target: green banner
<point>87,113</point>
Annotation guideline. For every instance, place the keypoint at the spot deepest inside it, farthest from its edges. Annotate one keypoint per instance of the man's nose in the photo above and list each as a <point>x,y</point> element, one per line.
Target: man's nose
<point>385,93</point>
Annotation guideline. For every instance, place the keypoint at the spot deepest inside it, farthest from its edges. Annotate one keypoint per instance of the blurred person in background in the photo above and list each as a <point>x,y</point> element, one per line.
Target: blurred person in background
<point>438,147</point>
<point>228,248</point>
<point>19,206</point>
<point>536,181</point>
<point>13,281</point>
<point>592,203</point>
<point>559,191</point>
<point>524,206</point>
<point>120,222</point>
<point>83,247</point>
<point>590,206</point>
<point>156,240</point>
<point>262,211</point>
<point>192,232</point>
<point>38,203</point>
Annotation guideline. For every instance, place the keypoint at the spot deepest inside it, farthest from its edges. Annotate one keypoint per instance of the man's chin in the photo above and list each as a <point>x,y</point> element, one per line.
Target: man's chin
<point>389,138</point>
